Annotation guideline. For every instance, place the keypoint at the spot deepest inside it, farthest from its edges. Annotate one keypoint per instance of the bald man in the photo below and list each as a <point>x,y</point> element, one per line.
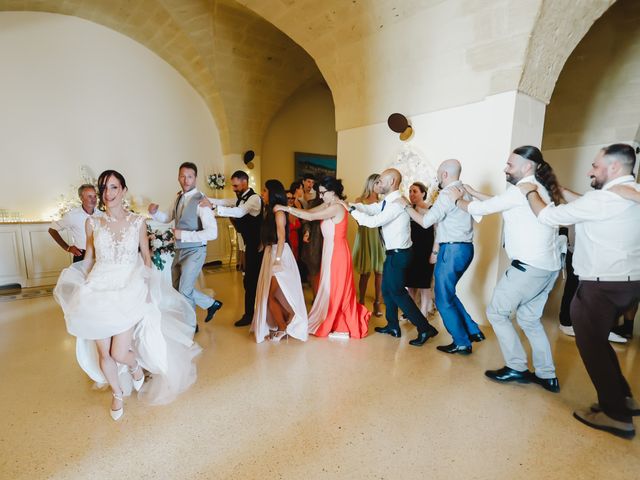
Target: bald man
<point>454,240</point>
<point>391,216</point>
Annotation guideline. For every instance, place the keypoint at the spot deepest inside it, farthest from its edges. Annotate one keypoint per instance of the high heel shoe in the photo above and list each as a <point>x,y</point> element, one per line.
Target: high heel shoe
<point>376,309</point>
<point>137,384</point>
<point>117,414</point>
<point>278,335</point>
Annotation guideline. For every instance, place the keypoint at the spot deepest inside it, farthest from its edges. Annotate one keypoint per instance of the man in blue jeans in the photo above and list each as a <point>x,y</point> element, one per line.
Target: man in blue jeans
<point>454,236</point>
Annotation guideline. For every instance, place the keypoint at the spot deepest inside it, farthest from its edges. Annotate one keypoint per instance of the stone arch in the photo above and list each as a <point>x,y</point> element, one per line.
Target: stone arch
<point>243,67</point>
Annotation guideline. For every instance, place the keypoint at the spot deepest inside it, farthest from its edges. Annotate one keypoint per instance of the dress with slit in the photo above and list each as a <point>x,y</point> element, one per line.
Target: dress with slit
<point>120,293</point>
<point>288,278</point>
<point>335,308</point>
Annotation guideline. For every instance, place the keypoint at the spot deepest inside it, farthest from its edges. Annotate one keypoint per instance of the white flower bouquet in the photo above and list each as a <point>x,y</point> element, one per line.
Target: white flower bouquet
<point>216,181</point>
<point>160,242</point>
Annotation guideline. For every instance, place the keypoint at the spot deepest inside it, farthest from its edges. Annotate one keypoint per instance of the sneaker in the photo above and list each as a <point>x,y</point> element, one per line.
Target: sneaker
<point>615,338</point>
<point>567,330</point>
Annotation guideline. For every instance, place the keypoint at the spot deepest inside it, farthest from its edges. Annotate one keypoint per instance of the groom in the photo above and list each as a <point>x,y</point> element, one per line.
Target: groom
<point>194,227</point>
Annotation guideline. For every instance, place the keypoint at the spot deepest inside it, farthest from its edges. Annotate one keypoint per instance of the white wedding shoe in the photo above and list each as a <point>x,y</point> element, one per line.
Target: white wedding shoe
<point>137,384</point>
<point>117,414</point>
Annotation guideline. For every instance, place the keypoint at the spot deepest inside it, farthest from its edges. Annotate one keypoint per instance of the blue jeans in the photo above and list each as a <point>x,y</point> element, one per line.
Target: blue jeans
<point>453,261</point>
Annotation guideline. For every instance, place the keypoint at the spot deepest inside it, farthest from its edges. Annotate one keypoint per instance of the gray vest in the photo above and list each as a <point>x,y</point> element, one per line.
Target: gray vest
<point>189,220</point>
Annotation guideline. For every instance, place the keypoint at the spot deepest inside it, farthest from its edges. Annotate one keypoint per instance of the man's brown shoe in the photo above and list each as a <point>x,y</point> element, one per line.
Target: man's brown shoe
<point>601,421</point>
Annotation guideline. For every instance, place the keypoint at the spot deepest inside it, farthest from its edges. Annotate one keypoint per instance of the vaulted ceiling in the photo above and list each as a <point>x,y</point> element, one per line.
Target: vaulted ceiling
<point>246,57</point>
<point>243,67</point>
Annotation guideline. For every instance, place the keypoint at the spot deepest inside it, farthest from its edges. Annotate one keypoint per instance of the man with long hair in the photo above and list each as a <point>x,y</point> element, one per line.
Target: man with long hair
<point>607,262</point>
<point>534,250</point>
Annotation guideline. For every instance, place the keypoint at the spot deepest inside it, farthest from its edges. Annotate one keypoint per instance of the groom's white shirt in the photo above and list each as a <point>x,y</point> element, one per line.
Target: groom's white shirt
<point>209,226</point>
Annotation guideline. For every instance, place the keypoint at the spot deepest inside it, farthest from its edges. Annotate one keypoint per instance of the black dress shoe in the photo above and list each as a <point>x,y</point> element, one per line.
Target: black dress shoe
<point>453,348</point>
<point>243,322</point>
<point>211,311</point>
<point>394,332</point>
<point>550,384</point>
<point>423,337</point>
<point>477,337</point>
<point>506,374</point>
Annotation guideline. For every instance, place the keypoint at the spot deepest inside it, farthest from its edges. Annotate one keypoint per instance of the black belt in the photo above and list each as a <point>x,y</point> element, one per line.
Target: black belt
<point>455,243</point>
<point>396,250</point>
<point>517,264</point>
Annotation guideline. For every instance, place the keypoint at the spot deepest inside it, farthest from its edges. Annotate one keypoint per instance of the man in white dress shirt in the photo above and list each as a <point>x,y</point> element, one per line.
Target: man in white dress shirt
<point>246,215</point>
<point>454,247</point>
<point>534,251</point>
<point>75,220</point>
<point>390,214</point>
<point>607,261</point>
<point>194,227</point>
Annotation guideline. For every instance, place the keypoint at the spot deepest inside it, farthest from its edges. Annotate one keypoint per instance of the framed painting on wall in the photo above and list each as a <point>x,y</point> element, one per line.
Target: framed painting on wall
<point>315,163</point>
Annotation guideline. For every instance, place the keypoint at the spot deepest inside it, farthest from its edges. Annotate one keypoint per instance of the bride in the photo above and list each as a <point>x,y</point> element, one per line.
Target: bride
<point>124,317</point>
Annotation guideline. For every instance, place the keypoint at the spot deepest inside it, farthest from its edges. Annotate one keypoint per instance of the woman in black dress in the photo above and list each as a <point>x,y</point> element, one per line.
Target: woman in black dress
<point>420,272</point>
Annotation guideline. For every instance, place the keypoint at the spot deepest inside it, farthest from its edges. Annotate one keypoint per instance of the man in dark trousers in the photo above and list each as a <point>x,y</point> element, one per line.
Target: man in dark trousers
<point>607,262</point>
<point>246,215</point>
<point>391,216</point>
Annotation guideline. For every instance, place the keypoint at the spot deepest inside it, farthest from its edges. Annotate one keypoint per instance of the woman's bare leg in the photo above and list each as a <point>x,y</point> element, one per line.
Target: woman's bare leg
<point>378,285</point>
<point>121,352</point>
<point>110,369</point>
<point>362,287</point>
<point>275,307</point>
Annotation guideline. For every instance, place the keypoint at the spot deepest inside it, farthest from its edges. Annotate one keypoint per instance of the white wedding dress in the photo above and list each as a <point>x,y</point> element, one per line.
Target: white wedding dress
<point>119,293</point>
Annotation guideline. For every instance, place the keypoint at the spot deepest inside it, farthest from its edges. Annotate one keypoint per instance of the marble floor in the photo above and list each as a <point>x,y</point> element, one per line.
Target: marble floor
<point>373,408</point>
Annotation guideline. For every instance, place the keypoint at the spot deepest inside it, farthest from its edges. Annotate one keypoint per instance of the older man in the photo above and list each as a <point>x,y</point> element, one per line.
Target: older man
<point>391,215</point>
<point>607,262</point>
<point>454,238</point>
<point>534,251</point>
<point>74,221</point>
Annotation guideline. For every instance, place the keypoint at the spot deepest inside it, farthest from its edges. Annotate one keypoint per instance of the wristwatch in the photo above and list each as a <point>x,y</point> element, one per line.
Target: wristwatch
<point>406,207</point>
<point>351,208</point>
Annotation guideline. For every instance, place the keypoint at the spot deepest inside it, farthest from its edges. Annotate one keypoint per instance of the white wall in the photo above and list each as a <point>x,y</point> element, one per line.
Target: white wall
<point>306,123</point>
<point>75,93</point>
<point>481,135</point>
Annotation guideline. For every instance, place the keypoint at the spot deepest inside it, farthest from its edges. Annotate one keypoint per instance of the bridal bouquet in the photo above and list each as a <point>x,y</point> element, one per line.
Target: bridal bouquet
<point>216,181</point>
<point>160,242</point>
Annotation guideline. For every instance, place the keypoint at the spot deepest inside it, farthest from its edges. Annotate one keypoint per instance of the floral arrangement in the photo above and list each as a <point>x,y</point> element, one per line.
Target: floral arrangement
<point>216,181</point>
<point>160,242</point>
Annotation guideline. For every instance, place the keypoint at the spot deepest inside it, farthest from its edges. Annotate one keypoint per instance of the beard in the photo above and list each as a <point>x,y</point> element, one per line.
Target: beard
<point>596,184</point>
<point>511,179</point>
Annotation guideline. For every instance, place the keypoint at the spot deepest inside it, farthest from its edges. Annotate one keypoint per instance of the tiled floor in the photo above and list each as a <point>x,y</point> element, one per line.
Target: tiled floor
<point>374,408</point>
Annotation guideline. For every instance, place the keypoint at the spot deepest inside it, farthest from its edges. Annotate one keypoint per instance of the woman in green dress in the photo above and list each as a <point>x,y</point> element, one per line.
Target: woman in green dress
<point>368,252</point>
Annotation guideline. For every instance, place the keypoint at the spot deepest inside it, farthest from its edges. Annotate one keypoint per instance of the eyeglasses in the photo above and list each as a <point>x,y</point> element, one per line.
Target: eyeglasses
<point>322,192</point>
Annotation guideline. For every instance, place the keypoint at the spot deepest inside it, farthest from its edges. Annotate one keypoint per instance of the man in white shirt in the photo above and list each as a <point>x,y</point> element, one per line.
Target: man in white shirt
<point>607,261</point>
<point>246,215</point>
<point>454,238</point>
<point>534,251</point>
<point>194,227</point>
<point>75,220</point>
<point>396,234</point>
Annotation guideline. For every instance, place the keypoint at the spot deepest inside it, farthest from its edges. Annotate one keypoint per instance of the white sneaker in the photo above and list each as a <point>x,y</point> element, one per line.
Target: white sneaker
<point>567,330</point>
<point>615,338</point>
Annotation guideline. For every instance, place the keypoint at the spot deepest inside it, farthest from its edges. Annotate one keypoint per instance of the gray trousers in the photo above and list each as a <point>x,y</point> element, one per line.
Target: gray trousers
<point>525,294</point>
<point>186,267</point>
